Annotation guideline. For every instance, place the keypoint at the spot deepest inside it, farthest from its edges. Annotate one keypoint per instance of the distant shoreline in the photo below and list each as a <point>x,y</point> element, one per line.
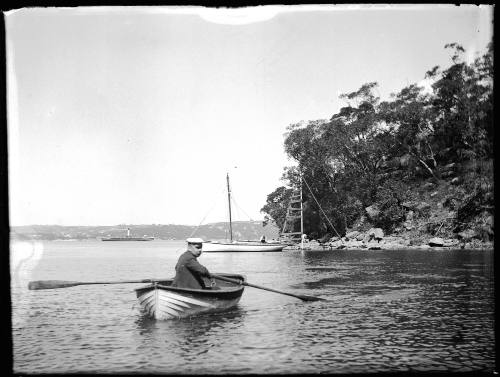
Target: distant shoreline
<point>483,247</point>
<point>315,246</point>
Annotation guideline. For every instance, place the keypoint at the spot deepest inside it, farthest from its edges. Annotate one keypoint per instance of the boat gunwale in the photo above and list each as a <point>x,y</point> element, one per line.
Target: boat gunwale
<point>205,292</point>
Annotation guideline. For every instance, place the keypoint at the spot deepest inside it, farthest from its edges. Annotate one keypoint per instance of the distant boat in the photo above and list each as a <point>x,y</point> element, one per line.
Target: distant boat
<point>239,246</point>
<point>128,238</point>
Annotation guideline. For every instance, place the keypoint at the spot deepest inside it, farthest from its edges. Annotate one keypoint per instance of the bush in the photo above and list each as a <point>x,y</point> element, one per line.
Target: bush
<point>389,199</point>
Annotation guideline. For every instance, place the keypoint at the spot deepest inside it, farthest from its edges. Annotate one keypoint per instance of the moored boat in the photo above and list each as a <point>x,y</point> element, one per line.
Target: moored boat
<point>161,301</point>
<point>128,238</point>
<point>241,246</point>
<point>145,238</point>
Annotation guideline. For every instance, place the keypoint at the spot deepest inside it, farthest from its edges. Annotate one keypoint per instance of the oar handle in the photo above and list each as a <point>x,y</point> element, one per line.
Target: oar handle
<point>305,298</point>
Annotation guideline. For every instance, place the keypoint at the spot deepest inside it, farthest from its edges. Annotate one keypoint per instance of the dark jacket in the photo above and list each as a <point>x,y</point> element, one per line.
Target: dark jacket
<point>189,272</point>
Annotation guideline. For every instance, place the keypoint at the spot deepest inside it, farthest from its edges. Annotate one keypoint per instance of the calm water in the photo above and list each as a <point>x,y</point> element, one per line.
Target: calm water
<point>386,311</point>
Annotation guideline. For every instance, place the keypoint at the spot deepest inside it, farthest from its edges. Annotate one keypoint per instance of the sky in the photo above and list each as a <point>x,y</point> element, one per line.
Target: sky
<point>134,115</point>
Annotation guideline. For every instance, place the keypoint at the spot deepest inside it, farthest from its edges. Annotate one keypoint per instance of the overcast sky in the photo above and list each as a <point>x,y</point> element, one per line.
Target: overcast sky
<point>134,115</point>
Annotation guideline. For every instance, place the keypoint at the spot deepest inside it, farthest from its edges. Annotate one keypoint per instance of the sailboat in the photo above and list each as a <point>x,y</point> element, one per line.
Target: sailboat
<point>239,246</point>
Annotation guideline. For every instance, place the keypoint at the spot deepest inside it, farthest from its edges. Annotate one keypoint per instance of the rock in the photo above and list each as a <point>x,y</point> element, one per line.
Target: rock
<point>485,232</point>
<point>407,225</point>
<point>396,243</point>
<point>336,244</point>
<point>413,242</point>
<point>467,235</point>
<point>436,241</point>
<point>404,160</point>
<point>352,235</point>
<point>373,212</point>
<point>334,239</point>
<point>423,208</point>
<point>490,221</point>
<point>374,247</point>
<point>451,243</point>
<point>408,205</point>
<point>375,233</point>
<point>451,202</point>
<point>409,215</point>
<point>487,229</point>
<point>423,247</point>
<point>354,244</point>
<point>360,237</point>
<point>324,239</point>
<point>392,246</point>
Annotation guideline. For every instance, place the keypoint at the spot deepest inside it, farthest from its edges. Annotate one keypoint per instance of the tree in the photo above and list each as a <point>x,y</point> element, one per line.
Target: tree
<point>276,206</point>
<point>409,120</point>
<point>348,160</point>
<point>462,104</point>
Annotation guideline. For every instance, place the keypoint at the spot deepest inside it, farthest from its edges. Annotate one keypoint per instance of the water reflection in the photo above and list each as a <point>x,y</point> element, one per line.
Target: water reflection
<point>188,336</point>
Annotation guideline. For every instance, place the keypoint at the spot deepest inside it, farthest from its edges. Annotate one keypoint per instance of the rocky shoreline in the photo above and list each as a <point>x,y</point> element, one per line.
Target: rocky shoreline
<point>374,239</point>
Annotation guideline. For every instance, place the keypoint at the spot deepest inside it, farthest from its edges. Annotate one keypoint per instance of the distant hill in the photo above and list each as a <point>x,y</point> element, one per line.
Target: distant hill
<point>243,230</point>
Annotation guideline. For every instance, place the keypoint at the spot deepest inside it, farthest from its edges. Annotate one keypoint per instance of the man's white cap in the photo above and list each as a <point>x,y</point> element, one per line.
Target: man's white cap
<point>194,240</point>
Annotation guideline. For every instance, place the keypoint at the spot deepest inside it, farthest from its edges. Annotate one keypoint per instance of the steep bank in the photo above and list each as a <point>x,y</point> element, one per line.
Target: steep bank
<point>455,211</point>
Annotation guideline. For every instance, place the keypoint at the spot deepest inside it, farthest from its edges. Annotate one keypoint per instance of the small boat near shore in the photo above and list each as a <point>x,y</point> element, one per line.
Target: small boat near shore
<point>241,246</point>
<point>159,300</point>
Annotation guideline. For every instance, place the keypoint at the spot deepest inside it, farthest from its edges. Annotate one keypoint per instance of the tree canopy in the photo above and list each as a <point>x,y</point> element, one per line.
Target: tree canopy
<point>365,152</point>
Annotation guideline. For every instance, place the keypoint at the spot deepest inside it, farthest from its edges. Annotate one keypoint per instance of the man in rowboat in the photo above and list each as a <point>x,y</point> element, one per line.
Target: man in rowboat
<point>189,272</point>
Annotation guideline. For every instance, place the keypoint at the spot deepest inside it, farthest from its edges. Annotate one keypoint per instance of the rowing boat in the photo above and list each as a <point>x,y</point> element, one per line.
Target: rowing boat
<point>160,300</point>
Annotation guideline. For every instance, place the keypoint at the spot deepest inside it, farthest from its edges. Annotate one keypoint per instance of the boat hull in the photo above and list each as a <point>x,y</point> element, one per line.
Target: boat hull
<point>163,302</point>
<point>128,239</point>
<point>211,247</point>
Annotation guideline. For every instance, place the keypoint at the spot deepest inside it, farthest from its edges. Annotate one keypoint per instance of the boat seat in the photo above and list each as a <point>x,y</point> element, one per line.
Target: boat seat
<point>214,288</point>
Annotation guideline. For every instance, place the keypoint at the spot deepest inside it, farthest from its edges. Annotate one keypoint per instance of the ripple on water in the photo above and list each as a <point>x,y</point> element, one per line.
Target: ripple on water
<point>384,312</point>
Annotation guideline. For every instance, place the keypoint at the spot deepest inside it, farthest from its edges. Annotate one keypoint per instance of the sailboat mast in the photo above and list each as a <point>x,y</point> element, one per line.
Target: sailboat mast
<point>229,201</point>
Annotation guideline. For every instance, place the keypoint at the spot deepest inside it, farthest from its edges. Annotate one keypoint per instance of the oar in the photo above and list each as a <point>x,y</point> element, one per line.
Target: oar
<point>302,297</point>
<point>52,284</point>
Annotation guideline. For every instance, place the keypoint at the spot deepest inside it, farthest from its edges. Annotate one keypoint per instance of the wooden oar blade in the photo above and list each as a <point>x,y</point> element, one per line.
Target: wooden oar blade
<point>51,284</point>
<point>310,298</point>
